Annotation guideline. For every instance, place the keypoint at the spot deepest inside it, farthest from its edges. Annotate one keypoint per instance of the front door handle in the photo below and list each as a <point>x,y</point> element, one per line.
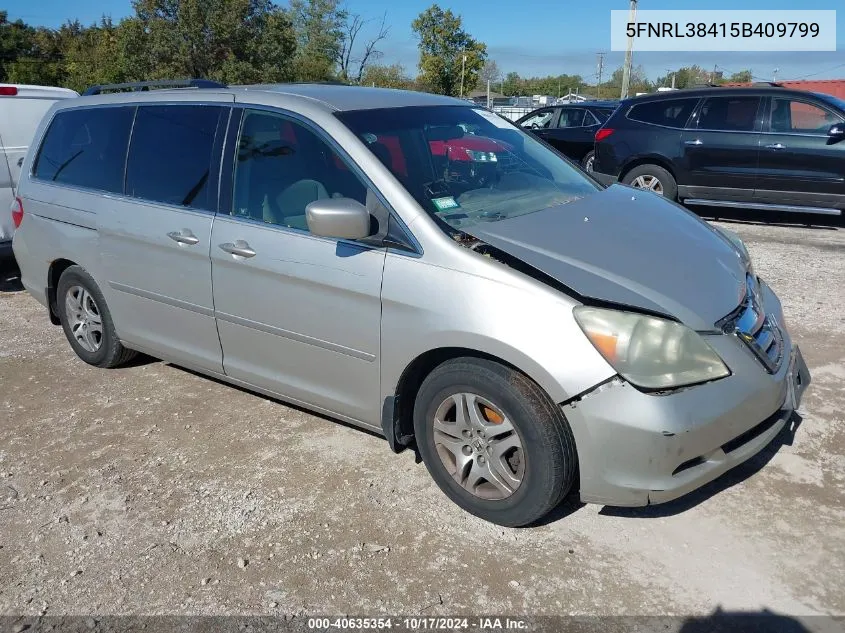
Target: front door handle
<point>696,142</point>
<point>239,248</point>
<point>776,146</point>
<point>184,237</point>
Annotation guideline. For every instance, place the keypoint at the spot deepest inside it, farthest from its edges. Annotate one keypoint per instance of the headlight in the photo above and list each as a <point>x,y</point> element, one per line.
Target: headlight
<point>649,352</point>
<point>482,157</point>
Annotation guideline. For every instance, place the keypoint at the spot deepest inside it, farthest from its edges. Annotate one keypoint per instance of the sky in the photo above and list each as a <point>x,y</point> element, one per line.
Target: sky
<point>531,37</point>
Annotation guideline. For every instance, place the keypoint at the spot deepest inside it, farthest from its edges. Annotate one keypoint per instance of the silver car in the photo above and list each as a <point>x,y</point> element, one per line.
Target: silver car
<point>471,294</point>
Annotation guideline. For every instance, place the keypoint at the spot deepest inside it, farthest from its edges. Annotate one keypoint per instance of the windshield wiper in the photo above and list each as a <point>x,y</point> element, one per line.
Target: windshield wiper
<point>61,167</point>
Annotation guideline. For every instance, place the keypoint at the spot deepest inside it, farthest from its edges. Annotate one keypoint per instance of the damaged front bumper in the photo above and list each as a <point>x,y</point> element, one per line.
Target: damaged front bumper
<point>637,448</point>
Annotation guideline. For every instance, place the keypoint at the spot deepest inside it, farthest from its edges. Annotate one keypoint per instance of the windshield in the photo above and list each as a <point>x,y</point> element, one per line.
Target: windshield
<point>467,165</point>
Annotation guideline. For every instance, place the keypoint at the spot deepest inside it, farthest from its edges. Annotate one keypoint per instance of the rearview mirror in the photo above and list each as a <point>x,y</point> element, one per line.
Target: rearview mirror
<point>342,218</point>
<point>837,131</point>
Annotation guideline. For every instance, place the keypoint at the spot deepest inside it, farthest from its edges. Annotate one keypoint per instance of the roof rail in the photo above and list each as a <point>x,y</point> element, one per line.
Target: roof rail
<point>147,85</point>
<point>773,84</point>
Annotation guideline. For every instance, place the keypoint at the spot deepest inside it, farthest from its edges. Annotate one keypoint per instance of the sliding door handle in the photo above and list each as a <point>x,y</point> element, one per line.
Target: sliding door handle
<point>239,248</point>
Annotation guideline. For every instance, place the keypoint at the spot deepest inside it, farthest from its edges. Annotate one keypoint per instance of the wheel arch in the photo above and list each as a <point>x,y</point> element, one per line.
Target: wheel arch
<point>54,273</point>
<point>398,408</point>
<point>648,160</point>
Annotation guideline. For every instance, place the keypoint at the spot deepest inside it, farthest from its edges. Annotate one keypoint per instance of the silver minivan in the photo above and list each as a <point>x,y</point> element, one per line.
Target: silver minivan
<point>420,267</point>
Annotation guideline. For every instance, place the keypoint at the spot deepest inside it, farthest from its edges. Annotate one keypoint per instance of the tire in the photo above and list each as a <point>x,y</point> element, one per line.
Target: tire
<point>87,322</point>
<point>541,470</point>
<point>646,174</point>
<point>588,160</point>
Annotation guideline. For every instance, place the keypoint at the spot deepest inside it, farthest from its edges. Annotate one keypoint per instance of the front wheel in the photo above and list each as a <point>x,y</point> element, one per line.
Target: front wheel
<point>493,441</point>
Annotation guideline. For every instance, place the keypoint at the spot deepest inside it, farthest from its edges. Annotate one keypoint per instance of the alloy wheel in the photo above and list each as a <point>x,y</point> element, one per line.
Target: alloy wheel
<point>84,319</point>
<point>479,446</point>
<point>648,182</point>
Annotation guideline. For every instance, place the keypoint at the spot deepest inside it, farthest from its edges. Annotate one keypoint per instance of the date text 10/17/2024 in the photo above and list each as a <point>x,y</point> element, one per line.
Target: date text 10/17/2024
<point>419,624</point>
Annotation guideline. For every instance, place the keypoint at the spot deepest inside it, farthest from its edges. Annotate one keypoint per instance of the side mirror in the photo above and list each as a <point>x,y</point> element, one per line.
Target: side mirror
<point>837,131</point>
<point>342,218</point>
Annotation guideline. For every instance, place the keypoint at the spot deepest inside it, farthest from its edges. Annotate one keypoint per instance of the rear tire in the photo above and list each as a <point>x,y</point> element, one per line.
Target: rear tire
<point>588,161</point>
<point>87,322</point>
<point>509,430</point>
<point>652,178</point>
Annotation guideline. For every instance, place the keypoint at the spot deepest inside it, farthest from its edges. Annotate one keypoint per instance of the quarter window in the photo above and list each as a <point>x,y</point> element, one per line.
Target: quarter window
<point>729,114</point>
<point>282,166</point>
<point>572,117</point>
<point>86,147</point>
<point>799,117</point>
<point>539,120</point>
<point>170,157</point>
<point>668,113</point>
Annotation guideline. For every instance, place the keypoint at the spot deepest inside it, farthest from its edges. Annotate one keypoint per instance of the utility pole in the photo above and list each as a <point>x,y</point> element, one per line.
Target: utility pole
<point>488,94</point>
<point>600,69</point>
<point>629,51</point>
<point>463,69</point>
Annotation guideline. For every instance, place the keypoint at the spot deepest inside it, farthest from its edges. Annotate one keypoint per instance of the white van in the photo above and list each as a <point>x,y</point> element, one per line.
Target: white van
<point>21,110</point>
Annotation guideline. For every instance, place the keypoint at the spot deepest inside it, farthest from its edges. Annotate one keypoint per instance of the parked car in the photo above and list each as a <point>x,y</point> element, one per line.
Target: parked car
<point>570,128</point>
<point>21,109</point>
<point>301,241</point>
<point>765,148</point>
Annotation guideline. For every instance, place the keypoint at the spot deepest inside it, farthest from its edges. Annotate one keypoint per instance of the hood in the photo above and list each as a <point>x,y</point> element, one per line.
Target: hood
<point>632,248</point>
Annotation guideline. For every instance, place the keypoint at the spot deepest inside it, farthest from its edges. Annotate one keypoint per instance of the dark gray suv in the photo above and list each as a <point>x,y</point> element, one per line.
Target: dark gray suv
<point>766,148</point>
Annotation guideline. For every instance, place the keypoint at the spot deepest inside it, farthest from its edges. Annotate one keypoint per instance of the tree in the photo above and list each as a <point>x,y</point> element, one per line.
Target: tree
<point>319,27</point>
<point>688,76</point>
<point>369,53</point>
<point>639,81</point>
<point>381,76</point>
<point>743,77</point>
<point>490,72</point>
<point>448,54</point>
<point>512,85</point>
<point>234,41</point>
<point>91,55</point>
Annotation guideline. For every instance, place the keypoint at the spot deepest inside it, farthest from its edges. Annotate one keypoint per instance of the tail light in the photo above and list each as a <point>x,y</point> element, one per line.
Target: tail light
<point>603,133</point>
<point>8,91</point>
<point>17,212</point>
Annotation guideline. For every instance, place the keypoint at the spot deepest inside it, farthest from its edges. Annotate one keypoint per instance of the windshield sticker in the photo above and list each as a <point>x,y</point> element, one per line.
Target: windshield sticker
<point>445,204</point>
<point>494,118</point>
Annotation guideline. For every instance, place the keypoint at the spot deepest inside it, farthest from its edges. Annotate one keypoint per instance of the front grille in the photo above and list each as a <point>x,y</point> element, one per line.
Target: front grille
<point>758,330</point>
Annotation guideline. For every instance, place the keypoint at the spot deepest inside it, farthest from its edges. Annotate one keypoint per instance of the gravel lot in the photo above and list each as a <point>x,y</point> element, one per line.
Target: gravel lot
<point>151,490</point>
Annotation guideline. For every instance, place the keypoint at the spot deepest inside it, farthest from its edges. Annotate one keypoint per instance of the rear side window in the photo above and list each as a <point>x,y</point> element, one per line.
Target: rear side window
<point>573,117</point>
<point>170,158</point>
<point>669,113</point>
<point>86,148</point>
<point>799,117</point>
<point>729,114</point>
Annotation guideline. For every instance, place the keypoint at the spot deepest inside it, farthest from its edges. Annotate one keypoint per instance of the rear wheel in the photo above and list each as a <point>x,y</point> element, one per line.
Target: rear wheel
<point>493,441</point>
<point>652,178</point>
<point>588,161</point>
<point>86,320</point>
